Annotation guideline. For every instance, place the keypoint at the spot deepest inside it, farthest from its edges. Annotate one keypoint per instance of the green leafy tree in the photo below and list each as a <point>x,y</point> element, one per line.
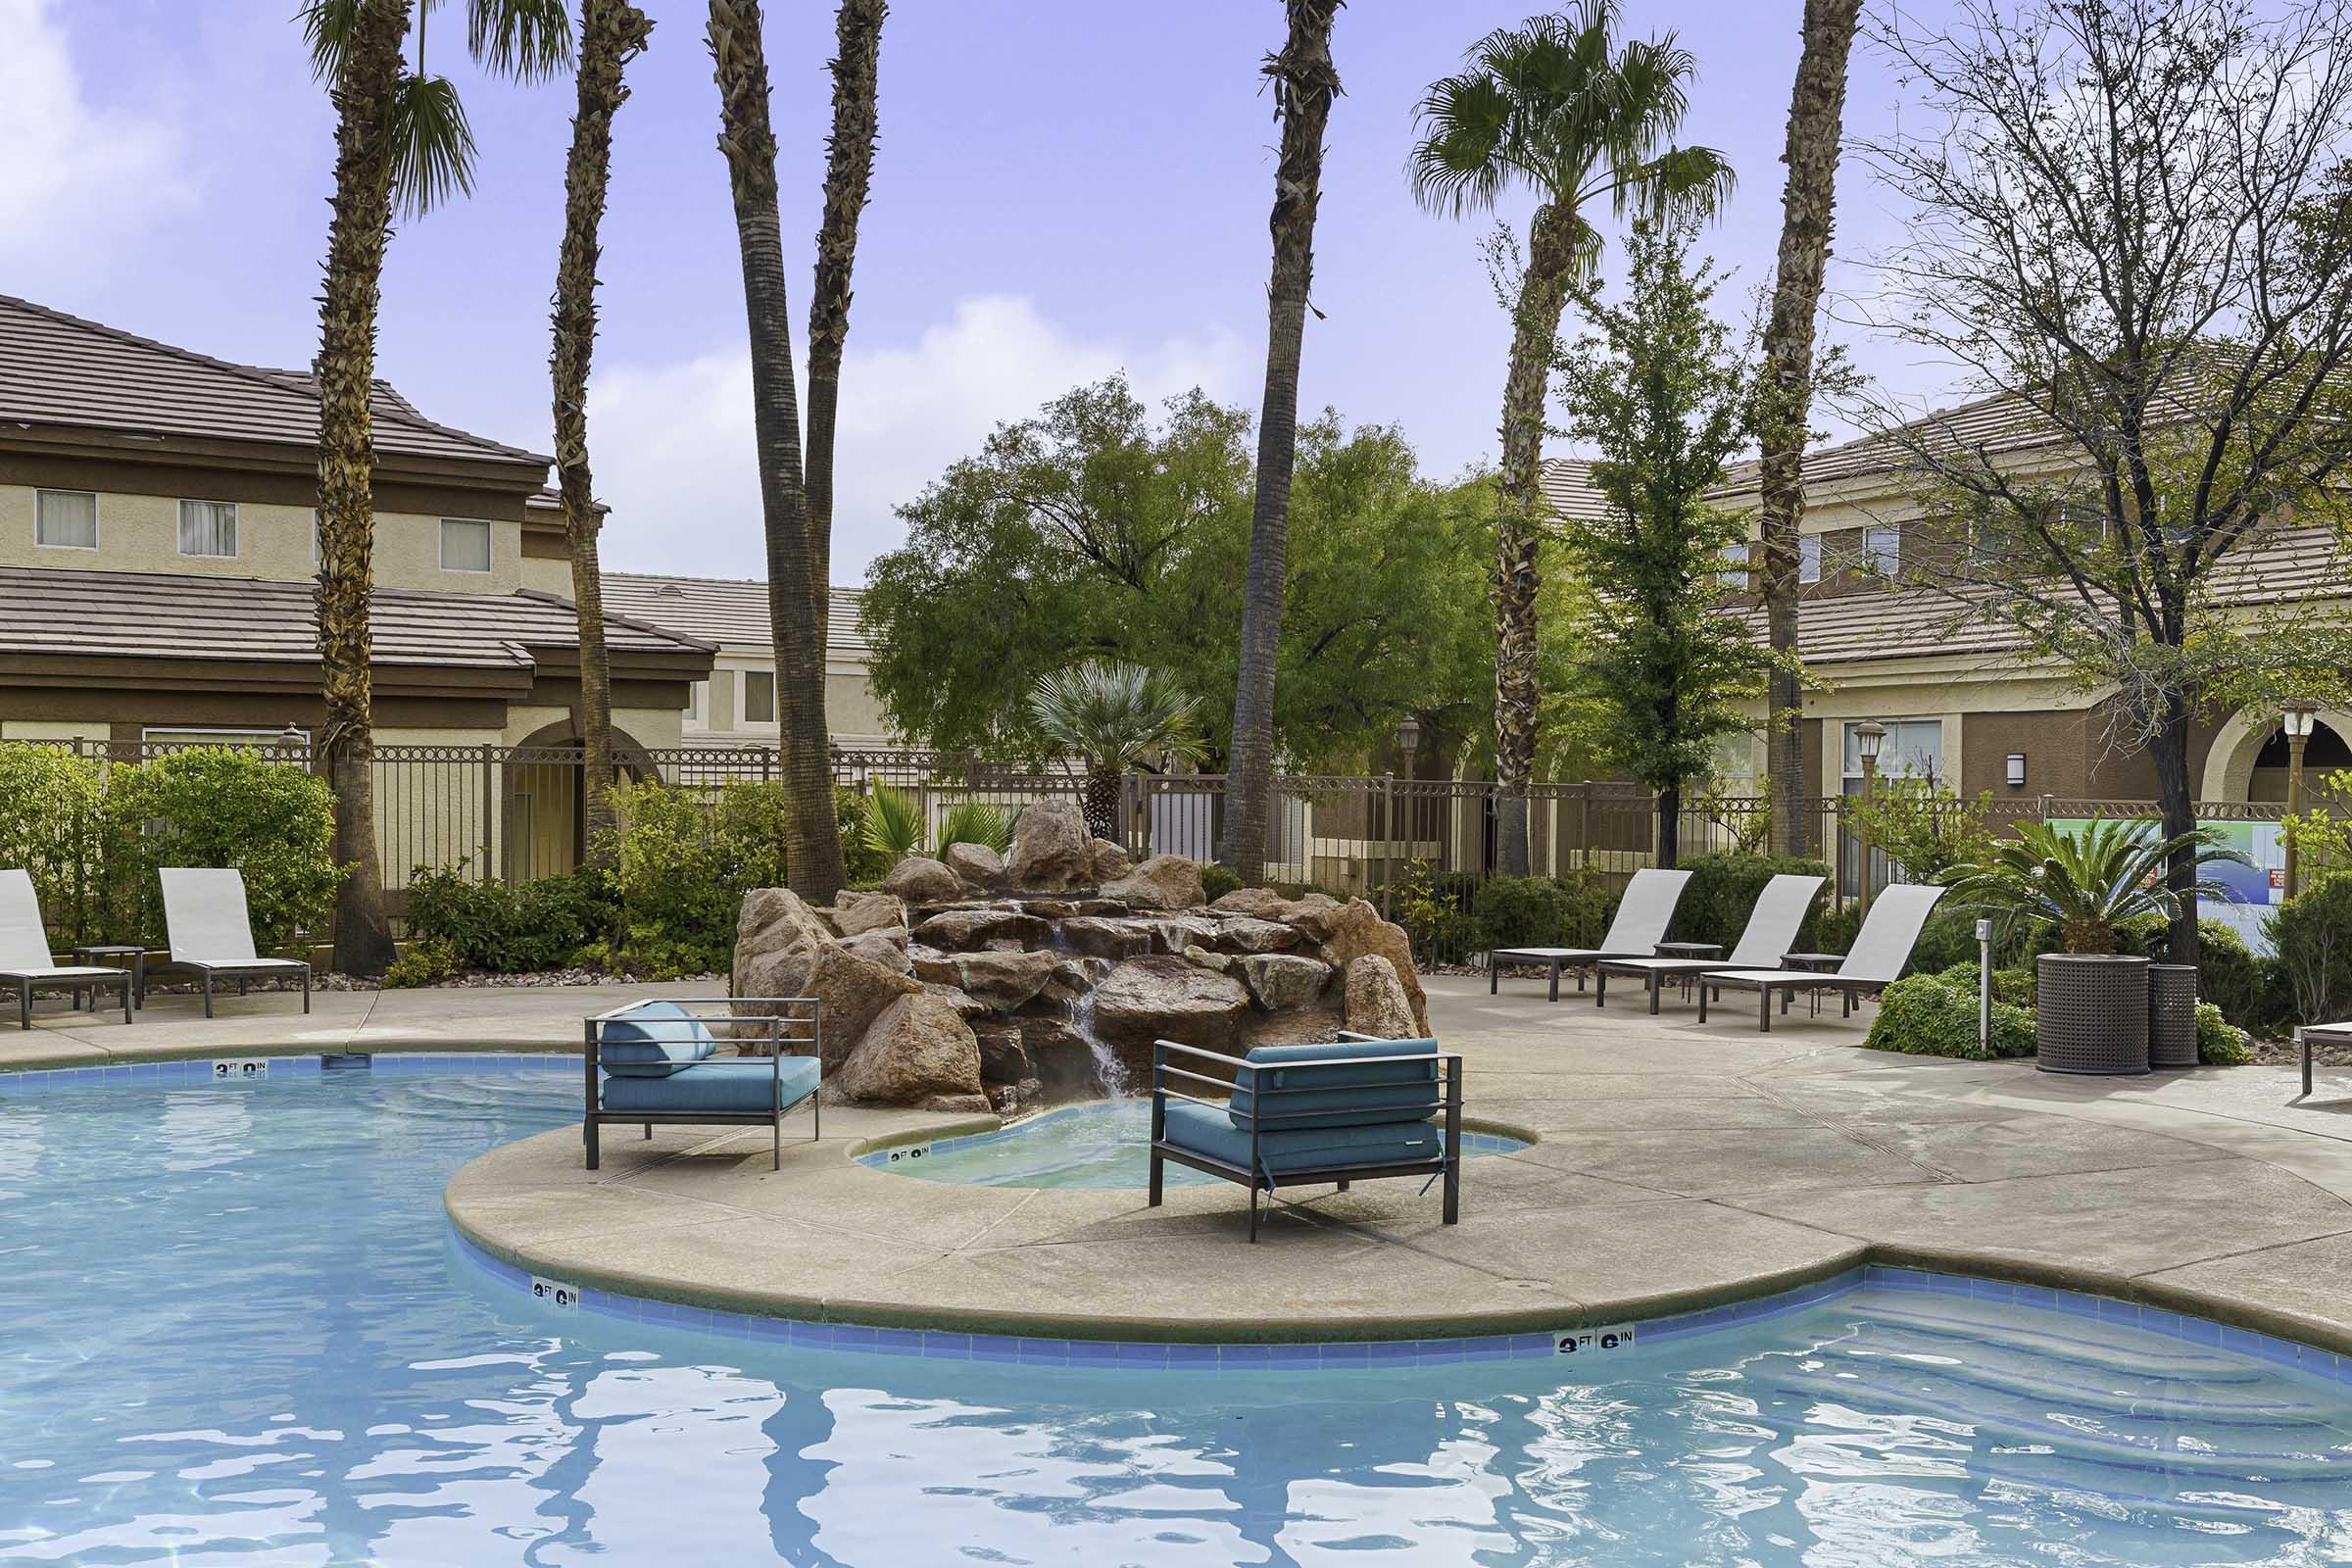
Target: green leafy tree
<point>1664,392</point>
<point>1108,718</point>
<point>1560,106</point>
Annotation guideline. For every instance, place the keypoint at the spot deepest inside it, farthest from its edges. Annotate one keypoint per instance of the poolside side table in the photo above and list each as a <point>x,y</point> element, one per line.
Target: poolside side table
<point>101,955</point>
<point>1819,964</point>
<point>1689,950</point>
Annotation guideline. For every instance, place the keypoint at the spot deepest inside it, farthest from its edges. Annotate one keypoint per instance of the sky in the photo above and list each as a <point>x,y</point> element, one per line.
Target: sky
<point>1063,189</point>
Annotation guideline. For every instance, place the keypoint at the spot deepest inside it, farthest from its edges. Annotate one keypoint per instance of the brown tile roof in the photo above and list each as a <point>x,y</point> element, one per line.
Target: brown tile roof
<point>60,371</point>
<point>1568,486</point>
<point>130,615</point>
<point>728,611</point>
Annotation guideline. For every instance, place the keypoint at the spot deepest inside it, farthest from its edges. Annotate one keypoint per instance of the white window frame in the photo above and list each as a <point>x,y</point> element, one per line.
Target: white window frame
<point>1808,558</point>
<point>1882,548</point>
<point>743,700</point>
<point>698,704</point>
<point>489,548</point>
<point>97,528</point>
<point>236,530</point>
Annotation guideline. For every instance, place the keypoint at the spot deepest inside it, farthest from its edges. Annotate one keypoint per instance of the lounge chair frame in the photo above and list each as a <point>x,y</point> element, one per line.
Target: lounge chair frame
<point>1257,1178</point>
<point>1849,987</point>
<point>779,1031</point>
<point>49,976</point>
<point>1585,960</point>
<point>205,882</point>
<point>1658,971</point>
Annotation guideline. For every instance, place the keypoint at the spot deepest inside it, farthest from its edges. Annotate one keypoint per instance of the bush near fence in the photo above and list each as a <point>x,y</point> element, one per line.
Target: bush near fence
<point>1722,889</point>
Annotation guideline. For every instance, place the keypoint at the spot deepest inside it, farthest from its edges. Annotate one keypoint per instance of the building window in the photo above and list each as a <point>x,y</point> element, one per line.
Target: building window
<point>1808,558</point>
<point>1735,574</point>
<point>697,703</point>
<point>1912,749</point>
<point>464,545</point>
<point>207,528</point>
<point>759,697</point>
<point>1883,549</point>
<point>65,519</point>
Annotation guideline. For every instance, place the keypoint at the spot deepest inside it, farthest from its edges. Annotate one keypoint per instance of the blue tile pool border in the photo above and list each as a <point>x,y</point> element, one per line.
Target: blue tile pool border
<point>1355,1355</point>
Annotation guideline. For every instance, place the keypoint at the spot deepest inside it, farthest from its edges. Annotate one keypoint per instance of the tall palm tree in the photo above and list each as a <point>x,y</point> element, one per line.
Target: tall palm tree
<point>848,178</point>
<point>400,137</point>
<point>812,832</point>
<point>1816,113</point>
<point>1305,84</point>
<point>1560,106</point>
<point>1109,717</point>
<point>612,32</point>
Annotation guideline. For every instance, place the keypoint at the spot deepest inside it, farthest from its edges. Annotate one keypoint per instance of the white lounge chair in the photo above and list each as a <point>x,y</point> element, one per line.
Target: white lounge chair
<point>211,932</point>
<point>25,960</point>
<point>1881,950</point>
<point>1639,926</point>
<point>1770,932</point>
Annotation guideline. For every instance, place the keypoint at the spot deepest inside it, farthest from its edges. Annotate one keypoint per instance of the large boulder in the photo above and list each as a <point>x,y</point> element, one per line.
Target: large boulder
<point>1173,933</point>
<point>1279,980</point>
<point>1002,981</point>
<point>1263,903</point>
<point>955,929</point>
<point>1376,1003</point>
<point>1243,933</point>
<point>1051,848</point>
<point>885,947</point>
<point>1164,996</point>
<point>857,914</point>
<point>976,863</point>
<point>777,938</point>
<point>854,991</point>
<point>920,879</point>
<point>1163,882</point>
<point>1102,937</point>
<point>1347,931</point>
<point>1108,863</point>
<point>918,1052</point>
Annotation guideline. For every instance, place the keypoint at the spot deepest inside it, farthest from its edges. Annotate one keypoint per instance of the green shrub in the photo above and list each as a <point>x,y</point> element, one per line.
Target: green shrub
<point>682,862</point>
<point>1722,889</point>
<point>219,806</point>
<point>1433,906</point>
<point>1538,911</point>
<point>51,817</point>
<point>2220,1044</point>
<point>541,925</point>
<point>428,961</point>
<point>2017,987</point>
<point>1216,880</point>
<point>1834,929</point>
<point>2251,993</point>
<point>1926,1015</point>
<point>858,859</point>
<point>977,822</point>
<point>2312,934</point>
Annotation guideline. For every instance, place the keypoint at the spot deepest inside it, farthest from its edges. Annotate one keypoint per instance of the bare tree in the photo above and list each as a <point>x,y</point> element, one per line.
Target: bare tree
<point>2135,240</point>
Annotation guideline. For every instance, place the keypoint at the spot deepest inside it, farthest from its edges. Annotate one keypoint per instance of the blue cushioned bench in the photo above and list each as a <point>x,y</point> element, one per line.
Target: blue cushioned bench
<point>658,1061</point>
<point>1301,1115</point>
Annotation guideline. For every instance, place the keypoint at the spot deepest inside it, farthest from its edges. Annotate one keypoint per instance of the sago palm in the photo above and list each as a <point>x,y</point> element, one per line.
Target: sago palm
<point>1559,107</point>
<point>401,140</point>
<point>1108,717</point>
<point>2089,880</point>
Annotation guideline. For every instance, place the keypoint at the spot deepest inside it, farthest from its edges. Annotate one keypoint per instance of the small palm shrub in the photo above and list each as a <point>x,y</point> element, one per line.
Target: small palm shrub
<point>977,822</point>
<point>2090,881</point>
<point>894,824</point>
<point>1109,717</point>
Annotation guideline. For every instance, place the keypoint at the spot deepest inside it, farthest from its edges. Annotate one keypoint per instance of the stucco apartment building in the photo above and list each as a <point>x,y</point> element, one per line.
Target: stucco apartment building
<point>158,547</point>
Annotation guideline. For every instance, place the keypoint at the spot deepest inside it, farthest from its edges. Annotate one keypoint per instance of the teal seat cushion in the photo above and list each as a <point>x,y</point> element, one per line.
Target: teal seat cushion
<point>652,1040</point>
<point>1206,1130</point>
<point>741,1084</point>
<point>1350,1084</point>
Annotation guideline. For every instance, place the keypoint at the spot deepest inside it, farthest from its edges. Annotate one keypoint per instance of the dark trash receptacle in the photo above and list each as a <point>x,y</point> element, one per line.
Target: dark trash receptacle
<point>2171,1015</point>
<point>2092,1013</point>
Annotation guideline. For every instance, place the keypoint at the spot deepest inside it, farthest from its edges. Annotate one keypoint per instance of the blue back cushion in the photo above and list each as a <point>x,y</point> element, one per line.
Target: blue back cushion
<point>1354,1083</point>
<point>652,1040</point>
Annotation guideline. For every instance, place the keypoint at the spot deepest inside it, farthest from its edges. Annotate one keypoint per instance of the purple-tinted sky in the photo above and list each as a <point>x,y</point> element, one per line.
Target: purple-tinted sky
<point>1064,187</point>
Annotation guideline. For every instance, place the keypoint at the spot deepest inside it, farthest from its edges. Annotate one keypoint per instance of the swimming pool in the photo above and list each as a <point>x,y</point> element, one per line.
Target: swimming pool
<point>1103,1143</point>
<point>240,1331</point>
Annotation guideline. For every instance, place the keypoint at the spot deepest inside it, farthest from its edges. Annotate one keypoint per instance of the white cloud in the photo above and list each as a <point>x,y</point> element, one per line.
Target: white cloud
<point>74,176</point>
<point>672,443</point>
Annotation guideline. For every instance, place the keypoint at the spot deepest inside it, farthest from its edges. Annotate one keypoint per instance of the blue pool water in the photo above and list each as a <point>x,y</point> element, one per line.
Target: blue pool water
<point>239,1332</point>
<point>1103,1143</point>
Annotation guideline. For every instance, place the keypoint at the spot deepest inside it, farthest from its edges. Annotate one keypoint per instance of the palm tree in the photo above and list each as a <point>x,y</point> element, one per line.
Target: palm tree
<point>812,831</point>
<point>612,32</point>
<point>1110,717</point>
<point>2089,880</point>
<point>1816,112</point>
<point>1559,106</point>
<point>1305,84</point>
<point>849,176</point>
<point>400,137</point>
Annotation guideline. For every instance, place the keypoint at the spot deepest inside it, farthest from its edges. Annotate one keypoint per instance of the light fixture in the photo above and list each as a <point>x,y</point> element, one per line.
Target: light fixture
<point>291,741</point>
<point>2299,721</point>
<point>1870,735</point>
<point>2017,770</point>
<point>1409,734</point>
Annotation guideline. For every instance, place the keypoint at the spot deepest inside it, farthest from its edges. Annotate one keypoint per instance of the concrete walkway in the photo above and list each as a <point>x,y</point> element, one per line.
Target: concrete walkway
<point>1676,1165</point>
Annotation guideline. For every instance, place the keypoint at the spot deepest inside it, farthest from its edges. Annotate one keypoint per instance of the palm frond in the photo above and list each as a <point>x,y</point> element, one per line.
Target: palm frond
<point>327,32</point>
<point>894,823</point>
<point>977,822</point>
<point>529,40</point>
<point>433,155</point>
<point>1115,715</point>
<point>2091,879</point>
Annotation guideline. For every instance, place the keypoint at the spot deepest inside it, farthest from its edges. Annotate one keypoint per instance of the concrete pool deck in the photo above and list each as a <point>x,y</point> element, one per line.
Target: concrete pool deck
<point>1676,1165</point>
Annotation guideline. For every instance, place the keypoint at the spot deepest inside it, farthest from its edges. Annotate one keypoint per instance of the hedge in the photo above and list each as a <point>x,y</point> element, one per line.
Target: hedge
<point>489,926</point>
<point>218,807</point>
<point>1542,911</point>
<point>2313,933</point>
<point>1722,889</point>
<point>51,823</point>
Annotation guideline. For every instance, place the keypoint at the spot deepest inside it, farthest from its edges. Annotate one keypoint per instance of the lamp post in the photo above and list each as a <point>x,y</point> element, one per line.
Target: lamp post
<point>2298,723</point>
<point>1408,741</point>
<point>1868,736</point>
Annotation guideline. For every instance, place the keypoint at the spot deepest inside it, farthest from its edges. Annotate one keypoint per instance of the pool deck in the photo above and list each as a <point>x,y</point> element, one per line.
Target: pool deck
<point>1676,1165</point>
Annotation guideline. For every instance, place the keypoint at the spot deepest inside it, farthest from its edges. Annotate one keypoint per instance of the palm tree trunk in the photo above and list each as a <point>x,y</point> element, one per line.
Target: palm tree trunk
<point>849,176</point>
<point>812,830</point>
<point>365,136</point>
<point>1816,113</point>
<point>1305,84</point>
<point>611,34</point>
<point>1519,504</point>
<point>1100,803</point>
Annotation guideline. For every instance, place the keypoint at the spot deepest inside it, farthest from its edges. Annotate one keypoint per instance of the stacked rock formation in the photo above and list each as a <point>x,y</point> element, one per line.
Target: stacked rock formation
<point>985,981</point>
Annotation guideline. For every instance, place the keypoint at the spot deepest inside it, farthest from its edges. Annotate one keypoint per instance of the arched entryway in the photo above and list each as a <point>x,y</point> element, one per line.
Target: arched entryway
<point>2249,758</point>
<point>544,815</point>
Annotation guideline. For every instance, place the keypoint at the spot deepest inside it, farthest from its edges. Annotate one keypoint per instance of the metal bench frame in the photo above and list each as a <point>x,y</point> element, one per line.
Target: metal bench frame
<point>779,1031</point>
<point>1447,1164</point>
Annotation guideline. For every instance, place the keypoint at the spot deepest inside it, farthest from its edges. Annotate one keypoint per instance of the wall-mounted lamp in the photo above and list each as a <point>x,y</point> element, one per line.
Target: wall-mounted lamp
<point>2017,770</point>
